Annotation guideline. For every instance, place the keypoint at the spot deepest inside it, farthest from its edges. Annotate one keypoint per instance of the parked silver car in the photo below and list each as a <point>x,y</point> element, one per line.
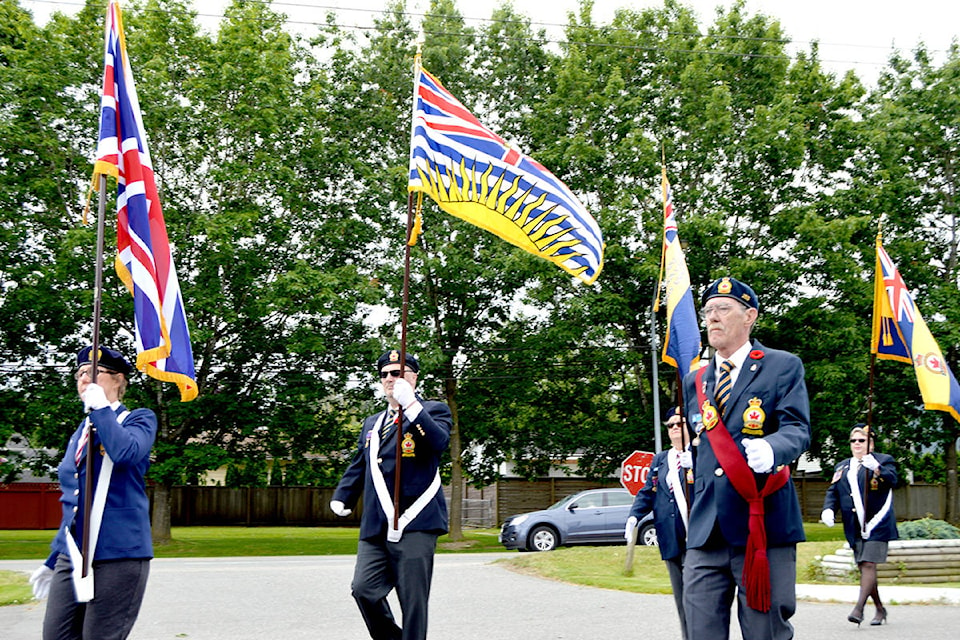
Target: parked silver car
<point>596,516</point>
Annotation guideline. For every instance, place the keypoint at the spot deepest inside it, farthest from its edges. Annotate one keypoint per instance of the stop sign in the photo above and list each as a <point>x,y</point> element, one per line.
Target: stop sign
<point>634,470</point>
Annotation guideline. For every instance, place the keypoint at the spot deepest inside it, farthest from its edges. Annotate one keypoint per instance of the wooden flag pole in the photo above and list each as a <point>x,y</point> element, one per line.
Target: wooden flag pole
<point>403,356</point>
<point>85,549</point>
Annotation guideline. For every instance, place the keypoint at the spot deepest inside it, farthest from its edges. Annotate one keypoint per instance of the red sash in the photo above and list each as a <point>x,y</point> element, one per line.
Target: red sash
<point>756,566</point>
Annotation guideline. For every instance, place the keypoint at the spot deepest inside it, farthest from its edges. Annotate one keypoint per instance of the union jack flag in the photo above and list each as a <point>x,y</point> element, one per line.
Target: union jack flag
<point>144,260</point>
<point>900,333</point>
<point>472,173</point>
<point>681,348</point>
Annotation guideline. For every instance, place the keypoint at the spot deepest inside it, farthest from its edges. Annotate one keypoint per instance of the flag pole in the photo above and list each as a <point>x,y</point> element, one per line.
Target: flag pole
<point>94,361</point>
<point>406,296</point>
<point>658,443</point>
<point>403,356</point>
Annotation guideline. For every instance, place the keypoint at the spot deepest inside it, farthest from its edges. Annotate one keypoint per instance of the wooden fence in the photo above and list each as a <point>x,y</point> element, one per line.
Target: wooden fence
<point>36,506</point>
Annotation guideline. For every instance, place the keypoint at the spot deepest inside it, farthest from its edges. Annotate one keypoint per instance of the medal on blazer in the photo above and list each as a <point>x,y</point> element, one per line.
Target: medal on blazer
<point>408,445</point>
<point>753,418</point>
<point>710,416</point>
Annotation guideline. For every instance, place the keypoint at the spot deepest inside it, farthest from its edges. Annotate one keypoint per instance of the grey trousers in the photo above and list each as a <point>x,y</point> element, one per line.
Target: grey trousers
<point>712,576</point>
<point>675,571</point>
<point>118,588</point>
<point>406,566</point>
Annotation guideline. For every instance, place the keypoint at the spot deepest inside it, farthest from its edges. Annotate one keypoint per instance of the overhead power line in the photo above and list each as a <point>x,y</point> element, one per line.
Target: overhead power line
<point>320,22</point>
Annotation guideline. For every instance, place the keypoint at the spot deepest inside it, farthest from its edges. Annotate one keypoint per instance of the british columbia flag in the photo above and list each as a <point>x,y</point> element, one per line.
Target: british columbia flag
<point>144,260</point>
<point>473,174</point>
<point>900,333</point>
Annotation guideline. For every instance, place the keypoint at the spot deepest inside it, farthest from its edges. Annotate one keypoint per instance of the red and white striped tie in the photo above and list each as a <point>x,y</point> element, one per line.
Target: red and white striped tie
<point>84,436</point>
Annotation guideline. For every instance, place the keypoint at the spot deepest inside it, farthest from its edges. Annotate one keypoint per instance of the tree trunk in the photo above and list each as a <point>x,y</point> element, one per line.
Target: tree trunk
<point>456,466</point>
<point>160,514</point>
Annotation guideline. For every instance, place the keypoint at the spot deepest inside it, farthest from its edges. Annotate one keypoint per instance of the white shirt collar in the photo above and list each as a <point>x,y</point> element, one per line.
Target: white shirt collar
<point>737,358</point>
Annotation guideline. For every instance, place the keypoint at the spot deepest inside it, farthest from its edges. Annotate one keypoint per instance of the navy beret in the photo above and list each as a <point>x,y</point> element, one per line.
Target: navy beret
<point>670,412</point>
<point>107,358</point>
<point>731,288</point>
<point>393,357</point>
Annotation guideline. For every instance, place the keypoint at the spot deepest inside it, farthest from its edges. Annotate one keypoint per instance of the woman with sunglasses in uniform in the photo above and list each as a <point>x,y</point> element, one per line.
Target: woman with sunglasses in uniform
<point>862,489</point>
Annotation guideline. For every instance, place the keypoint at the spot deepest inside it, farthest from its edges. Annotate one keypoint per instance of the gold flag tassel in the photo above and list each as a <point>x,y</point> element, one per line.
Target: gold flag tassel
<point>417,221</point>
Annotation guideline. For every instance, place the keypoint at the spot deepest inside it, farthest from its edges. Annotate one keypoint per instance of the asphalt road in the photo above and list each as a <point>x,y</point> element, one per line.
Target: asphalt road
<point>473,598</point>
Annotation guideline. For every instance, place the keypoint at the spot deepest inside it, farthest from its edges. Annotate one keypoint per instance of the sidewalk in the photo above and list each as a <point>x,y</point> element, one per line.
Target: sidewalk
<point>894,594</point>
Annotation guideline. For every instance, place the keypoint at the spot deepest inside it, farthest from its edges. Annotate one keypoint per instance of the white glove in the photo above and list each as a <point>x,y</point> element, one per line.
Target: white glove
<point>631,529</point>
<point>340,509</point>
<point>870,462</point>
<point>759,454</point>
<point>94,397</point>
<point>826,517</point>
<point>686,460</point>
<point>41,579</point>
<point>403,393</point>
<point>407,399</point>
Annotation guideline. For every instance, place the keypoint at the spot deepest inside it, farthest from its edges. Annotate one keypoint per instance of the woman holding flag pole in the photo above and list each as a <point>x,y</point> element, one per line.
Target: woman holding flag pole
<point>97,593</point>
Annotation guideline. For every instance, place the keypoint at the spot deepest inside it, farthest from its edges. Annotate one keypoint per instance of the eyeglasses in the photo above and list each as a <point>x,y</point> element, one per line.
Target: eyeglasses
<point>852,440</point>
<point>395,373</point>
<point>720,309</point>
<point>671,425</point>
<point>88,372</point>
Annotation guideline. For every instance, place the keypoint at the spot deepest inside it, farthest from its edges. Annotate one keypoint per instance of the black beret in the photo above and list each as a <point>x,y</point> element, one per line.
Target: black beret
<point>393,357</point>
<point>107,358</point>
<point>731,288</point>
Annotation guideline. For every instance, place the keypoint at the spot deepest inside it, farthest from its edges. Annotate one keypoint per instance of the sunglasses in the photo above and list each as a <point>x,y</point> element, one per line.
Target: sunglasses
<point>88,373</point>
<point>852,440</point>
<point>395,373</point>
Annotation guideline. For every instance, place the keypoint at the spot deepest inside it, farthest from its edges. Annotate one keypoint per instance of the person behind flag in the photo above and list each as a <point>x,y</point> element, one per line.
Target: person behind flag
<point>665,493</point>
<point>870,476</point>
<point>397,557</point>
<point>123,549</point>
<point>750,412</point>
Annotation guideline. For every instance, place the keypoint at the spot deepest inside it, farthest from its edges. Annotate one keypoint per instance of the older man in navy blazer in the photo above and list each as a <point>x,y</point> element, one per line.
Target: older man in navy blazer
<point>749,409</point>
<point>397,557</point>
<point>666,494</point>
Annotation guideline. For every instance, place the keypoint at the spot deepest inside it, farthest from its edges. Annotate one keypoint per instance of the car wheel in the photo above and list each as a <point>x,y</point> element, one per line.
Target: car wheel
<point>648,535</point>
<point>543,538</point>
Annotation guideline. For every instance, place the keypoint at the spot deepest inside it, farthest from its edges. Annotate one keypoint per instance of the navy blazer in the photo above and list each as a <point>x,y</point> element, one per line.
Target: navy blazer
<point>430,435</point>
<point>773,380</point>
<point>840,498</point>
<point>656,496</point>
<point>125,529</point>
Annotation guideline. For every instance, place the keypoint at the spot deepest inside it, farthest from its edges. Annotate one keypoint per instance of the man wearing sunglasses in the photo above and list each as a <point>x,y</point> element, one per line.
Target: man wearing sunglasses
<point>397,553</point>
<point>749,409</point>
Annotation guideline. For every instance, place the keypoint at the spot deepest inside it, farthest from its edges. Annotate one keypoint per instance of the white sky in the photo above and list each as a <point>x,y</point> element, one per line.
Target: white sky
<point>853,34</point>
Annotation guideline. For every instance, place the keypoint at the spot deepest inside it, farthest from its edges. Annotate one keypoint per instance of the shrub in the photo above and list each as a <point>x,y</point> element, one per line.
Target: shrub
<point>927,529</point>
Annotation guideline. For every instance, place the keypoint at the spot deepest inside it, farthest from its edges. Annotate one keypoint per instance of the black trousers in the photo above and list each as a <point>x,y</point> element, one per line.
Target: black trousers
<point>118,587</point>
<point>406,566</point>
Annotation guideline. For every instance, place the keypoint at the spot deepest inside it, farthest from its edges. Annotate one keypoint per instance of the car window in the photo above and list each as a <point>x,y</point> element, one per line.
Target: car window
<point>589,501</point>
<point>619,499</point>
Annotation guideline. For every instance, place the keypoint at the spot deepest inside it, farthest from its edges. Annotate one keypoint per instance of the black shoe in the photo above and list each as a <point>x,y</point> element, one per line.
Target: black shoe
<point>856,616</point>
<point>880,618</point>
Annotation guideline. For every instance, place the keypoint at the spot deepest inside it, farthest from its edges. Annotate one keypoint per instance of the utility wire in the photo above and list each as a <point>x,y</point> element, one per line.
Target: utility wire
<point>605,29</point>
